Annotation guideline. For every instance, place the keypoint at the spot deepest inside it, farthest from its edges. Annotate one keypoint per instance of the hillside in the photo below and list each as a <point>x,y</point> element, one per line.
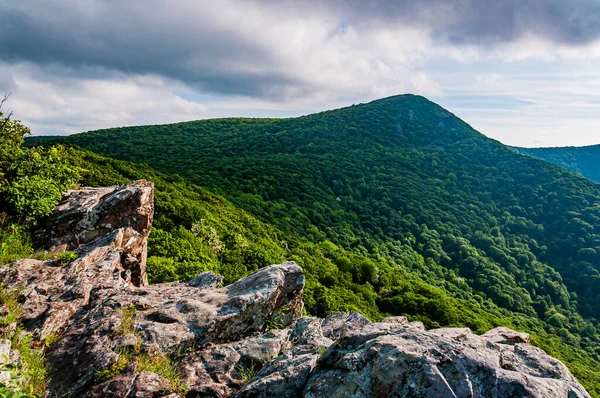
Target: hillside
<point>583,160</point>
<point>336,280</point>
<point>403,182</point>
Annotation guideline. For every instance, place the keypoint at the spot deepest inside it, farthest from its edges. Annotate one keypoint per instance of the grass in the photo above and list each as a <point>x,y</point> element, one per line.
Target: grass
<point>245,373</point>
<point>67,257</point>
<point>279,319</point>
<point>322,350</point>
<point>276,323</point>
<point>15,244</point>
<point>163,366</point>
<point>126,326</point>
<point>51,338</point>
<point>32,368</point>
<point>114,370</point>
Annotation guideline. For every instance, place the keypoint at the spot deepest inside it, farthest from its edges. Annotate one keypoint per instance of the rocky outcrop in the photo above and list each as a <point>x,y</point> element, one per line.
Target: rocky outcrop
<point>86,215</point>
<point>403,360</point>
<point>117,337</point>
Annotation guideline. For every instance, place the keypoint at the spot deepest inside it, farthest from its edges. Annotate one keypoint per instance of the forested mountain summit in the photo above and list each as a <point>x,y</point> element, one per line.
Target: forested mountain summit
<point>404,181</point>
<point>584,160</point>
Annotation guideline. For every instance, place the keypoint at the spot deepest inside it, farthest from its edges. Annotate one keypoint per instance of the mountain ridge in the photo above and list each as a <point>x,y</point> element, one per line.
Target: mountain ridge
<point>584,160</point>
<point>405,181</point>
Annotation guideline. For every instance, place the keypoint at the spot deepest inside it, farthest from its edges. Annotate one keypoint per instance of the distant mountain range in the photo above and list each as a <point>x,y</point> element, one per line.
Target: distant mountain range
<point>399,181</point>
<point>583,160</point>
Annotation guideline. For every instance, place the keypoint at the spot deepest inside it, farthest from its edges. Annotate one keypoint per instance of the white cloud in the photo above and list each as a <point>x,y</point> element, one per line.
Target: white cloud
<point>62,104</point>
<point>106,64</point>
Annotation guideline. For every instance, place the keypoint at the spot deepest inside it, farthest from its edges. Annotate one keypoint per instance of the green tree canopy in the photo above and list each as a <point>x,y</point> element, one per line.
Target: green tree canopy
<point>31,179</point>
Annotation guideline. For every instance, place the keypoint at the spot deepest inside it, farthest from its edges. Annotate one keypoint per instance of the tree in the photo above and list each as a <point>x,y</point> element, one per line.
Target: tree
<point>31,179</point>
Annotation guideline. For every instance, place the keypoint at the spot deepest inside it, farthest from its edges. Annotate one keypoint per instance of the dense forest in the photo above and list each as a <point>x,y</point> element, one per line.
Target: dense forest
<point>584,160</point>
<point>392,207</point>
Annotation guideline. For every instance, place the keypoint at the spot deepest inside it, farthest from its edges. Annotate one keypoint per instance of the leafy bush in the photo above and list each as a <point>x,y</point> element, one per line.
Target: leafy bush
<point>67,257</point>
<point>31,179</point>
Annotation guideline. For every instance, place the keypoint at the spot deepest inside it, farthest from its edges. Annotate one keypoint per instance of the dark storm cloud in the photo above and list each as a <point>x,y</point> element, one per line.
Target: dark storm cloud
<point>181,40</point>
<point>487,22</point>
<point>131,39</point>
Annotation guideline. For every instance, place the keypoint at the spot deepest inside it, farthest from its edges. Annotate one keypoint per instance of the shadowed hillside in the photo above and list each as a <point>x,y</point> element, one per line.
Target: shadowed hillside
<point>583,160</point>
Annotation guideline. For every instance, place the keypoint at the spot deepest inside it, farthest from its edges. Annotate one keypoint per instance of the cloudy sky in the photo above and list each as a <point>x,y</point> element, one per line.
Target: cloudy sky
<point>526,72</point>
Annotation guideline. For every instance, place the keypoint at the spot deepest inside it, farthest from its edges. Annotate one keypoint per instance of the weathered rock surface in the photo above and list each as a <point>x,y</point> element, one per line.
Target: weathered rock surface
<point>400,360</point>
<point>88,214</point>
<point>248,339</point>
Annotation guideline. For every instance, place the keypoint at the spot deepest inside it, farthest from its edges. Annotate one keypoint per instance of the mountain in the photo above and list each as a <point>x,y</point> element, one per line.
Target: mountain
<point>584,160</point>
<point>403,182</point>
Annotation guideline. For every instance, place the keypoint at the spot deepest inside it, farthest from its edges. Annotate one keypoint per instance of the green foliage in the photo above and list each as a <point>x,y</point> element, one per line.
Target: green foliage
<point>583,160</point>
<point>245,373</point>
<point>113,370</point>
<point>67,257</point>
<point>278,322</point>
<point>29,376</point>
<point>31,179</point>
<point>164,367</point>
<point>336,279</point>
<point>12,388</point>
<point>14,244</point>
<point>126,325</point>
<point>322,350</point>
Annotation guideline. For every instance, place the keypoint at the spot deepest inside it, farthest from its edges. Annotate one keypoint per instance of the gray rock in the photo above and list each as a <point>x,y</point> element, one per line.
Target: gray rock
<point>402,320</point>
<point>126,343</point>
<point>206,280</point>
<point>139,385</point>
<point>342,323</point>
<point>287,374</point>
<point>118,387</point>
<point>88,214</point>
<point>438,363</point>
<point>52,295</point>
<point>507,336</point>
<point>171,318</point>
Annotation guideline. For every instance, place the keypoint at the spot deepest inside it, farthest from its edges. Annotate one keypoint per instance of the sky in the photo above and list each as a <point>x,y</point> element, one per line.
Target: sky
<point>525,72</point>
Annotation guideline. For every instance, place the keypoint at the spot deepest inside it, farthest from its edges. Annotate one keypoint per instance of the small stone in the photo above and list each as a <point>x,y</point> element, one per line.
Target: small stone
<point>127,342</point>
<point>206,280</point>
<point>400,320</point>
<point>342,324</point>
<point>503,335</point>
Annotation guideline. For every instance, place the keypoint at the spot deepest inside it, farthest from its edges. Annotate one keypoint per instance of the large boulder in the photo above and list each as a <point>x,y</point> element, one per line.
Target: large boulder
<point>392,359</point>
<point>170,319</point>
<point>88,214</point>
